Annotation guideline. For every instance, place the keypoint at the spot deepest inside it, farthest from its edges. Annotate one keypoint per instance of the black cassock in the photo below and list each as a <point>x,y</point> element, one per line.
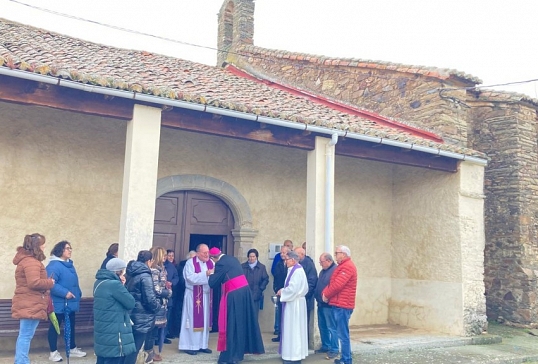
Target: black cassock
<point>242,329</point>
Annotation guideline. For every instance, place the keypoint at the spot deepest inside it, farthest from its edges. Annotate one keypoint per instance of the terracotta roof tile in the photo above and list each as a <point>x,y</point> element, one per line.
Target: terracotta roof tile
<point>40,51</point>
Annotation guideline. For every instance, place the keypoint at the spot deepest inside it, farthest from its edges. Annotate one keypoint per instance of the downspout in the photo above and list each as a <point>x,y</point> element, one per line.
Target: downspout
<point>241,115</point>
<point>329,187</point>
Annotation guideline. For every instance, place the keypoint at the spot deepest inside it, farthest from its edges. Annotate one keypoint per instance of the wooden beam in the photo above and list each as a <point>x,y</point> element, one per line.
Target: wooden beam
<point>236,128</point>
<point>388,154</point>
<point>39,94</point>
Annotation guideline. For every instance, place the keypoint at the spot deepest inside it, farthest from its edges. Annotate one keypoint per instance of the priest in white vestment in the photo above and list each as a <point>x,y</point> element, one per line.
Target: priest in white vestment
<point>196,316</point>
<point>294,327</point>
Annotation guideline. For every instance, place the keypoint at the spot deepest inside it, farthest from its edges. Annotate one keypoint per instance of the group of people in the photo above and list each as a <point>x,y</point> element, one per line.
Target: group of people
<point>133,302</point>
<point>296,285</point>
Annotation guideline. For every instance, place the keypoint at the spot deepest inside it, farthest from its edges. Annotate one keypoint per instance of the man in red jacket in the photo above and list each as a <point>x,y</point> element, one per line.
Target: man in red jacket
<point>340,293</point>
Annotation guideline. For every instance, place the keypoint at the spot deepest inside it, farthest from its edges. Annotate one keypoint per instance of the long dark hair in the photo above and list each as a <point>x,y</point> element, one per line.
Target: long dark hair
<point>33,243</point>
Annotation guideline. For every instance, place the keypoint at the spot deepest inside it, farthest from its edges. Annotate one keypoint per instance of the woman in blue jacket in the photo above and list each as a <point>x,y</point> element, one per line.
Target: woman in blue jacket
<point>65,296</point>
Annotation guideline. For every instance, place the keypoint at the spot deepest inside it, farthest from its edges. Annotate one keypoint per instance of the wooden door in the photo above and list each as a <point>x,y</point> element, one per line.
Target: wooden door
<point>182,214</point>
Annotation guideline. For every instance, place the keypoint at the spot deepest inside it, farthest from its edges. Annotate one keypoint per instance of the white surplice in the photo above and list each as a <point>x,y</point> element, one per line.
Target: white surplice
<point>294,329</point>
<point>189,339</point>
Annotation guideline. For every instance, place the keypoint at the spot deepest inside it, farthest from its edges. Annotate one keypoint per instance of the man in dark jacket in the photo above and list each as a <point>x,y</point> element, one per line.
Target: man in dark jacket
<point>140,286</point>
<point>279,279</point>
<point>326,323</point>
<point>276,270</point>
<point>112,331</point>
<point>312,276</point>
<point>172,278</point>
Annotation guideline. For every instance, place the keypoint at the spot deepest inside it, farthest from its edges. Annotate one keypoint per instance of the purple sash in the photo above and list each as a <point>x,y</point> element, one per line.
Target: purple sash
<point>287,283</point>
<point>198,299</point>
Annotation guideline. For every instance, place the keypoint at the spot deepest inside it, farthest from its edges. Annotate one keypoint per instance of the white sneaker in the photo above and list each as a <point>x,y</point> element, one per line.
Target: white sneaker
<point>77,353</point>
<point>55,356</point>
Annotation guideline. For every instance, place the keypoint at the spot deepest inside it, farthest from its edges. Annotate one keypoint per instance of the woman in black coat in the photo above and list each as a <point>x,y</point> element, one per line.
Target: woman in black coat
<point>257,278</point>
<point>140,285</point>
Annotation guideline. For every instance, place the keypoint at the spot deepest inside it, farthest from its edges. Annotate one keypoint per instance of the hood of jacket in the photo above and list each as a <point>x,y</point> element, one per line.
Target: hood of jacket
<point>21,254</point>
<point>135,268</point>
<point>103,274</point>
<point>53,259</point>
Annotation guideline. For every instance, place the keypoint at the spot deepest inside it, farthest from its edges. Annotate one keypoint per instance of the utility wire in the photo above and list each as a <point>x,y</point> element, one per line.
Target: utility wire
<point>239,54</point>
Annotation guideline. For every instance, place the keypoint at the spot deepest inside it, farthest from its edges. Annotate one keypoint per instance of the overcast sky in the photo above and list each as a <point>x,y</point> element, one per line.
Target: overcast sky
<point>495,40</point>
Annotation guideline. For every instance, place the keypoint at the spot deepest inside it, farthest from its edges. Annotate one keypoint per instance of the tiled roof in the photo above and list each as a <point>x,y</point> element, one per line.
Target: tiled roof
<point>43,52</point>
<point>440,73</point>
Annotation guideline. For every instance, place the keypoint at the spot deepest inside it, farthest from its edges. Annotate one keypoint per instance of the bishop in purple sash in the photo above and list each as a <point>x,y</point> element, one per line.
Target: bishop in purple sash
<point>239,331</point>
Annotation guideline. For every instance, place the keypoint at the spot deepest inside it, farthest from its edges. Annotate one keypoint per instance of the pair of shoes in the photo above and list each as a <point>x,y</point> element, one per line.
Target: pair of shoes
<point>167,341</point>
<point>151,355</point>
<point>207,351</point>
<point>321,351</point>
<point>157,357</point>
<point>77,353</point>
<point>55,356</point>
<point>330,356</point>
<point>190,352</point>
<point>275,339</point>
<point>339,361</point>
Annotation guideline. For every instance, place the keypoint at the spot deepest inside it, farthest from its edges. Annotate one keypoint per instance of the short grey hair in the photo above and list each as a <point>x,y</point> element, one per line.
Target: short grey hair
<point>190,254</point>
<point>293,255</point>
<point>328,257</point>
<point>344,250</point>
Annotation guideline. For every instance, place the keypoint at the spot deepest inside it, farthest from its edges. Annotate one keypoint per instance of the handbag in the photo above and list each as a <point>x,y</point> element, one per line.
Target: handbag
<point>160,318</point>
<point>142,356</point>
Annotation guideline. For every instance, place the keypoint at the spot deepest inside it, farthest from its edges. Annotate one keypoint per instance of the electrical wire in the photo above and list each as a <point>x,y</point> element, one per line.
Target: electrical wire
<point>271,60</point>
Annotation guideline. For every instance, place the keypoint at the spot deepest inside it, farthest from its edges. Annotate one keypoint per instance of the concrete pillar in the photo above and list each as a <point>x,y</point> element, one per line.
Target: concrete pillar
<point>139,181</point>
<point>316,204</point>
<point>471,221</point>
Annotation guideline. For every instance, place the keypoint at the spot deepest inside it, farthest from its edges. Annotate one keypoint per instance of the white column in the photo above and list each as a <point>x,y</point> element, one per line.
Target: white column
<point>139,181</point>
<point>471,221</point>
<point>316,204</point>
<point>316,207</point>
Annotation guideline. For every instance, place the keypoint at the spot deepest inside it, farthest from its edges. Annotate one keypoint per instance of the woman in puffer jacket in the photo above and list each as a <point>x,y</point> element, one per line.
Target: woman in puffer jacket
<point>163,290</point>
<point>112,332</point>
<point>140,285</point>
<point>31,297</point>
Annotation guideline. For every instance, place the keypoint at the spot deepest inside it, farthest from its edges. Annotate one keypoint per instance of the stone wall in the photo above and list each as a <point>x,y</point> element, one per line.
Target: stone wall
<point>408,97</point>
<point>507,133</point>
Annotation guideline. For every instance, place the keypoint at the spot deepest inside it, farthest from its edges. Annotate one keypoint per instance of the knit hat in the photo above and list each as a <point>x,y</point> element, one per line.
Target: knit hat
<point>115,264</point>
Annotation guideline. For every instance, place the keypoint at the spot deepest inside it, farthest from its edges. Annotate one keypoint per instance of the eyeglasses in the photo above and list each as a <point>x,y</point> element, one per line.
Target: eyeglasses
<point>68,248</point>
<point>337,253</point>
<point>322,261</point>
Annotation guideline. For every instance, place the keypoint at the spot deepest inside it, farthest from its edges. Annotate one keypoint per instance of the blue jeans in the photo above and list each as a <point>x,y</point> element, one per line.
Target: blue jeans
<point>27,329</point>
<point>341,318</point>
<point>327,329</point>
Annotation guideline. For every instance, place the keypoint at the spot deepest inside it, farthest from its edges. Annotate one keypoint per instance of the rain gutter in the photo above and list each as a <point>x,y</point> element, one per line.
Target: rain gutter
<point>241,115</point>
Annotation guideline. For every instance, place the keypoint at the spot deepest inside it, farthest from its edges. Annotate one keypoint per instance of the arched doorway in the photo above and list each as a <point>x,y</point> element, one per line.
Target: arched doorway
<point>184,219</point>
<point>243,234</point>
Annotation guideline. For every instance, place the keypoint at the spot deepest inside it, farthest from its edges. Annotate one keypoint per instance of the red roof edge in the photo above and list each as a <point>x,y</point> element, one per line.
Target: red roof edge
<point>340,107</point>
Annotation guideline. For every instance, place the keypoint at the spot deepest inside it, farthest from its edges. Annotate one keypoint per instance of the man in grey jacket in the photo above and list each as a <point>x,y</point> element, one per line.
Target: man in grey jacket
<point>326,324</point>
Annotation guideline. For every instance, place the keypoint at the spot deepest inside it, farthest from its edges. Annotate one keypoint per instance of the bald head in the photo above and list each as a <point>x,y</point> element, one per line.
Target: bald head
<point>300,252</point>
